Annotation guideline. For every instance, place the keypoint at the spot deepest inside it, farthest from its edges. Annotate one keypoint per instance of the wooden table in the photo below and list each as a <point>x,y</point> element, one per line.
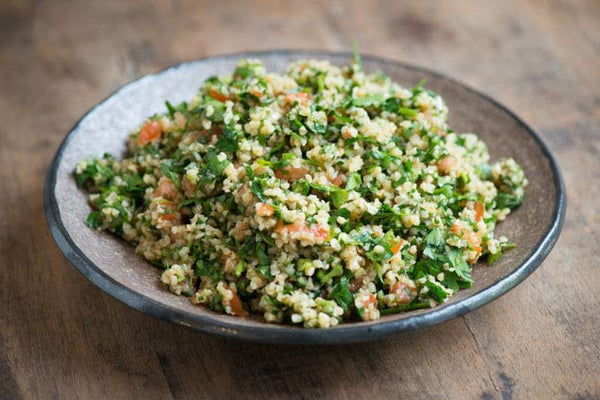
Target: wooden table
<point>61,337</point>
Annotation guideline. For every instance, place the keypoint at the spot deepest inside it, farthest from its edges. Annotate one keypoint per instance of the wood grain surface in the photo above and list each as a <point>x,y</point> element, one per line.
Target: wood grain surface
<point>61,337</point>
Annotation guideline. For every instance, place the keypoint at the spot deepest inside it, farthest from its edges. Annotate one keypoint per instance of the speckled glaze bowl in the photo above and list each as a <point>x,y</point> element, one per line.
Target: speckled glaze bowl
<point>112,265</point>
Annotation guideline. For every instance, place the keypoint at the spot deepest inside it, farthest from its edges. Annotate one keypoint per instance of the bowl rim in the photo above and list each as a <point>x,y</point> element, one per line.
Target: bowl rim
<point>286,334</point>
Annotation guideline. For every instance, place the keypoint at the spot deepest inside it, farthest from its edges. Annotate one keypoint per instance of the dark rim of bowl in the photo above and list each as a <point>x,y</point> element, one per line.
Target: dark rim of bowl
<point>285,334</point>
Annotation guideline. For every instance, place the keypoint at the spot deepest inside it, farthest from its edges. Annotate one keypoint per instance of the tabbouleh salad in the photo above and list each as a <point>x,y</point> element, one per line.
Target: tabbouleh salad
<point>316,196</point>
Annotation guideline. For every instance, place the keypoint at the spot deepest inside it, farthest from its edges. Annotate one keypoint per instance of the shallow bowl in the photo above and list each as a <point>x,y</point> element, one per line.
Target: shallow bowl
<point>112,265</point>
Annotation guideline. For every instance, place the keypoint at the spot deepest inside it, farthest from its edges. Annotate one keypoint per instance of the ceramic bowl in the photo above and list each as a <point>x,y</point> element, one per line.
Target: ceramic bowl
<point>112,265</point>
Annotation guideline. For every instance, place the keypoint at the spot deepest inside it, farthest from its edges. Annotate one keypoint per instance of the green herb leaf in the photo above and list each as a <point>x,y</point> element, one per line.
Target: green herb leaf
<point>170,108</point>
<point>407,112</point>
<point>357,60</point>
<point>342,295</point>
<point>371,100</point>
<point>257,189</point>
<point>507,200</point>
<point>419,86</point>
<point>214,165</point>
<point>166,170</point>
<point>354,181</point>
<point>325,277</point>
<point>493,257</point>
<point>435,238</point>
<point>94,219</point>
<point>228,142</point>
<point>338,197</point>
<point>241,267</point>
<point>436,292</point>
<point>461,267</point>
<point>407,307</point>
<point>284,161</point>
<point>301,186</point>
<point>261,254</point>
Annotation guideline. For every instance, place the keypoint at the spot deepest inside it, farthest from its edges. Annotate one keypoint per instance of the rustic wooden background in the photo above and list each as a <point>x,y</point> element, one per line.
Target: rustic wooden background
<point>61,337</point>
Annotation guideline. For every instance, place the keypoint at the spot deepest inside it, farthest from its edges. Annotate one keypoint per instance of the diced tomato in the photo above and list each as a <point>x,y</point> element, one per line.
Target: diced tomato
<point>447,164</point>
<point>279,228</point>
<point>150,132</point>
<point>479,210</point>
<point>400,289</point>
<point>473,239</point>
<point>370,300</point>
<point>300,97</point>
<point>257,93</point>
<point>477,254</point>
<point>296,226</point>
<point>188,185</point>
<point>174,216</point>
<point>215,130</point>
<point>339,180</point>
<point>396,248</point>
<point>455,229</point>
<point>243,189</point>
<point>316,230</point>
<point>225,257</point>
<point>291,174</point>
<point>264,210</point>
<point>166,188</point>
<point>236,306</point>
<point>210,133</point>
<point>170,212</point>
<point>218,95</point>
<point>319,231</point>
